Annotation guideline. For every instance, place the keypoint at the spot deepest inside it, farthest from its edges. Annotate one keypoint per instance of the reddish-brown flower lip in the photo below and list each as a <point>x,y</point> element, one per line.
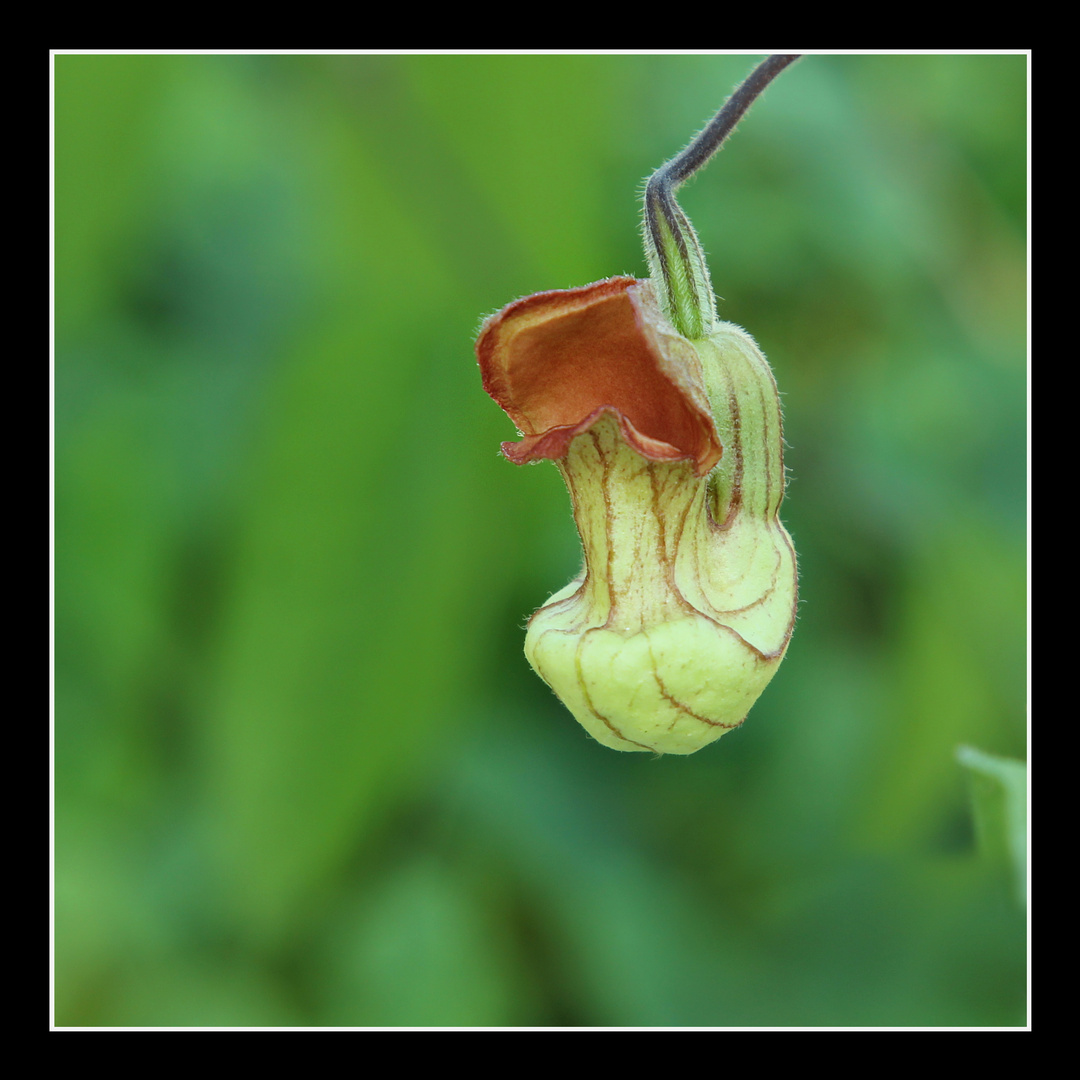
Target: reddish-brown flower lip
<point>557,361</point>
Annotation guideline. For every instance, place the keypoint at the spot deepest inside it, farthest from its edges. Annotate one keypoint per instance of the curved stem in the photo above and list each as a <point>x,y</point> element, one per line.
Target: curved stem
<point>675,256</point>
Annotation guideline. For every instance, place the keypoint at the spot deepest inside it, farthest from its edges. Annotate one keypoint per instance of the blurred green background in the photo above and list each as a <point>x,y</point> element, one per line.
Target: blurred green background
<point>304,774</point>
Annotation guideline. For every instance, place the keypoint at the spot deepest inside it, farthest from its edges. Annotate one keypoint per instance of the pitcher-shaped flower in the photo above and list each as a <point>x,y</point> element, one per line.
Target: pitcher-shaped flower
<point>665,424</point>
<point>671,450</point>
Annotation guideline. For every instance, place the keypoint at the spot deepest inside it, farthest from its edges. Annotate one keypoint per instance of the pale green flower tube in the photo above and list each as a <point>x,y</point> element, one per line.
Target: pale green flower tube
<point>686,601</point>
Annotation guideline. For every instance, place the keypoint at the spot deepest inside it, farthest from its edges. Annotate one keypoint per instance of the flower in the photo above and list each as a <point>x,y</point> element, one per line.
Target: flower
<point>671,450</point>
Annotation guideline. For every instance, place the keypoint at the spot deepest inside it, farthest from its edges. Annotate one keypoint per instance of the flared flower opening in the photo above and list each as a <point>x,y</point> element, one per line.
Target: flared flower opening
<point>557,361</point>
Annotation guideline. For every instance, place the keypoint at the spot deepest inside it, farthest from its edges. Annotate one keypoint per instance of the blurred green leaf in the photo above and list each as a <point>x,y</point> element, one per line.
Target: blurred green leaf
<point>105,112</point>
<point>999,802</point>
<point>423,949</point>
